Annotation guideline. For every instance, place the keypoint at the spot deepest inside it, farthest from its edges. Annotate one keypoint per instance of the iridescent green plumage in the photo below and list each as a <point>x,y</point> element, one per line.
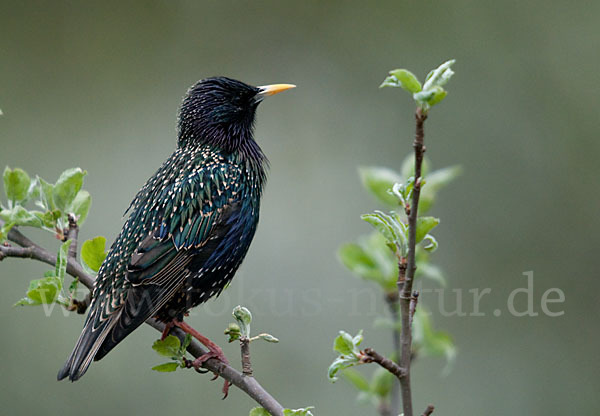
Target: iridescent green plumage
<point>189,227</point>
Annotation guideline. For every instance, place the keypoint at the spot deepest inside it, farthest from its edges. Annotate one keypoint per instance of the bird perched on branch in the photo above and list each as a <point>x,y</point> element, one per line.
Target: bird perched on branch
<point>189,227</point>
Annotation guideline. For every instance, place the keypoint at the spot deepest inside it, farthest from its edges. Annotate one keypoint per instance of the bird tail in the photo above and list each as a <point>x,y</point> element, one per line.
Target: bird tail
<point>90,340</point>
<point>95,343</point>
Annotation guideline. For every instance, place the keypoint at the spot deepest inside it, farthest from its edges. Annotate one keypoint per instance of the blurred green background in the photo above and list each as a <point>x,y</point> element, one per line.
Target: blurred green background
<point>97,85</point>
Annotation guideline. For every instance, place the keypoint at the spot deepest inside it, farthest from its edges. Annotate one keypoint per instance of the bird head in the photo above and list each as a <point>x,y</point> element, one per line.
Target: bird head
<point>221,111</point>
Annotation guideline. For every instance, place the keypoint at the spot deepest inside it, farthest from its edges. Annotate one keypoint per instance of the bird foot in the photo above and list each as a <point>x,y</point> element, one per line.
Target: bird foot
<point>214,351</point>
<point>167,330</point>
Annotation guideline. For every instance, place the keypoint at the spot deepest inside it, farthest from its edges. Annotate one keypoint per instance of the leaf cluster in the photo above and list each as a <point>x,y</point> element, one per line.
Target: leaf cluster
<point>174,349</point>
<point>55,201</point>
<point>428,94</point>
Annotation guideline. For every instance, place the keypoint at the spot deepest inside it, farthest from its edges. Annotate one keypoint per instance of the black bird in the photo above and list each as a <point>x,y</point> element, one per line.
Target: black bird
<point>189,227</point>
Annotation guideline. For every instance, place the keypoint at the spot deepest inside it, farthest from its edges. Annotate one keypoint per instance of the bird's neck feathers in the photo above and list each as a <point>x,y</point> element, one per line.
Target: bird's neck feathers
<point>234,139</point>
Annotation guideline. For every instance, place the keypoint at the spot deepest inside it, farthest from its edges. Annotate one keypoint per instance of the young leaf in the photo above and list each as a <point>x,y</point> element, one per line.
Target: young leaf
<point>169,347</point>
<point>381,383</point>
<point>62,260</point>
<point>186,343</point>
<point>343,343</point>
<point>431,271</point>
<point>93,252</point>
<point>166,367</point>
<point>306,411</point>
<point>46,195</point>
<point>439,76</point>
<point>268,338</point>
<point>357,380</point>
<point>259,411</point>
<point>407,80</point>
<point>424,225</point>
<point>232,332</point>
<point>378,181</point>
<point>243,317</point>
<point>20,216</point>
<point>391,227</point>
<point>42,291</point>
<point>67,186</point>
<point>438,95</point>
<point>340,363</point>
<point>432,243</point>
<point>16,184</point>
<point>431,342</point>
<point>81,206</point>
<point>4,230</point>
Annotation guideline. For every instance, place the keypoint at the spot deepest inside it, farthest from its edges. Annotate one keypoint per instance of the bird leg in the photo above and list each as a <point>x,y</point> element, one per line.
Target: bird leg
<point>214,351</point>
<point>167,330</point>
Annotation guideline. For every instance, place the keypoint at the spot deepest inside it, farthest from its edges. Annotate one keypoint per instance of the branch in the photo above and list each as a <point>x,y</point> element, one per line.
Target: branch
<point>406,295</point>
<point>429,410</point>
<point>71,233</point>
<point>249,385</point>
<point>245,349</point>
<point>372,356</point>
<point>392,301</point>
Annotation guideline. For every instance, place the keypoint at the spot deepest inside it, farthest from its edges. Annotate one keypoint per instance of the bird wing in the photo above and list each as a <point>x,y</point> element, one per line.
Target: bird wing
<point>194,215</point>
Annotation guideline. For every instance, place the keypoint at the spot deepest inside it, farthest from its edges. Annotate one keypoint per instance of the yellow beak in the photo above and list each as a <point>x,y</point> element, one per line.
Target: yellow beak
<point>266,90</point>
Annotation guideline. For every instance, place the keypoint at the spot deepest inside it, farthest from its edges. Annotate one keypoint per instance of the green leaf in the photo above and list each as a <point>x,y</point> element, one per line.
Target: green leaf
<point>407,80</point>
<point>233,332</point>
<point>424,225</point>
<point>16,184</point>
<point>343,343</point>
<point>4,230</point>
<point>48,218</point>
<point>424,96</point>
<point>61,260</point>
<point>357,260</point>
<point>391,227</point>
<point>81,206</point>
<point>67,186</point>
<point>382,382</point>
<point>340,363</point>
<point>243,318</point>
<point>42,291</point>
<point>357,379</point>
<point>166,367</point>
<point>438,95</point>
<point>371,259</point>
<point>390,81</point>
<point>186,343</point>
<point>93,252</point>
<point>259,411</point>
<point>431,272</point>
<point>408,168</point>
<point>432,243</point>
<point>46,195</point>
<point>306,411</point>
<point>169,347</point>
<point>73,287</point>
<point>268,338</point>
<point>431,342</point>
<point>379,181</point>
<point>20,216</point>
<point>439,76</point>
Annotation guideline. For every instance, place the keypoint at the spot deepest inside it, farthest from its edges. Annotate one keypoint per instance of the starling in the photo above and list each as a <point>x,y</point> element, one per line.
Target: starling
<point>189,227</point>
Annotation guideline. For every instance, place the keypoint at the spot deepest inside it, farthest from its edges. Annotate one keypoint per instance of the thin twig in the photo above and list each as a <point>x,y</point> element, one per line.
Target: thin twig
<point>392,301</point>
<point>406,290</point>
<point>429,410</point>
<point>71,233</point>
<point>247,384</point>
<point>372,356</point>
<point>245,349</point>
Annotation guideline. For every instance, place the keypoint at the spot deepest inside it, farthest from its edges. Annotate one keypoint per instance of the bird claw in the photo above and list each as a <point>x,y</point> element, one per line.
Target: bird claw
<point>197,365</point>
